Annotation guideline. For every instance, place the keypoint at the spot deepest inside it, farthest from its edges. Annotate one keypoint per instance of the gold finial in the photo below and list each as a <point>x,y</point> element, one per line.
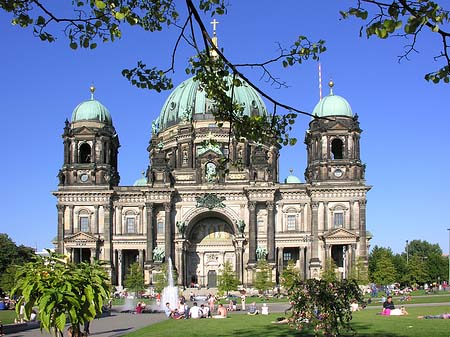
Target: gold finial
<point>331,85</point>
<point>213,53</point>
<point>92,90</point>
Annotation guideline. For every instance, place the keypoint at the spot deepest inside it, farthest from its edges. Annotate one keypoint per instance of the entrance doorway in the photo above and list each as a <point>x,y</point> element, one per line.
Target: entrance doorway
<point>212,279</point>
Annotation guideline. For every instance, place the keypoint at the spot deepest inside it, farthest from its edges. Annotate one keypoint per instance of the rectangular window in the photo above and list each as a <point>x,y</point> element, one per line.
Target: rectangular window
<point>287,256</point>
<point>338,220</point>
<point>160,227</point>
<point>131,225</point>
<point>84,224</point>
<point>291,222</point>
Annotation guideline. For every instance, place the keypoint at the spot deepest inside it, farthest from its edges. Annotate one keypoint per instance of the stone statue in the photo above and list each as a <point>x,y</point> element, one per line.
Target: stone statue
<point>155,127</point>
<point>181,225</point>
<point>158,254</point>
<point>261,253</point>
<point>210,172</point>
<point>241,226</point>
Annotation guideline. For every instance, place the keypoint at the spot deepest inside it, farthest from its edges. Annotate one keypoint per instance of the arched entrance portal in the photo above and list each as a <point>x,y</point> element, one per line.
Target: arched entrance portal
<point>211,245</point>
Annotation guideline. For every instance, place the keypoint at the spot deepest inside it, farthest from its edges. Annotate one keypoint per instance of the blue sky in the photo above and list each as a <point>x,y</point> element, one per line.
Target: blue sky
<point>405,119</point>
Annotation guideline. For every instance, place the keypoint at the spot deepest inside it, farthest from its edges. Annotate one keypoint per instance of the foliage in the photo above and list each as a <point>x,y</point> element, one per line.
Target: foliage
<point>10,253</point>
<point>227,280</point>
<point>134,280</point>
<point>408,19</point>
<point>263,279</point>
<point>416,271</point>
<point>161,279</point>
<point>61,289</point>
<point>423,248</point>
<point>289,275</point>
<point>330,273</point>
<point>359,272</point>
<point>323,305</point>
<point>384,272</point>
<point>399,261</point>
<point>436,266</point>
<point>8,278</point>
<point>374,256</point>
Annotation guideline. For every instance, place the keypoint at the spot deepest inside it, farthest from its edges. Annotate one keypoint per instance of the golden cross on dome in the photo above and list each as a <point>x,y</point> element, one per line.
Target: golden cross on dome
<point>214,23</point>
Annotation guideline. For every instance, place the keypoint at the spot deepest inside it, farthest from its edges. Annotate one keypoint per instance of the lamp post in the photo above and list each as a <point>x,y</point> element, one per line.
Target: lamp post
<point>407,253</point>
<point>448,281</point>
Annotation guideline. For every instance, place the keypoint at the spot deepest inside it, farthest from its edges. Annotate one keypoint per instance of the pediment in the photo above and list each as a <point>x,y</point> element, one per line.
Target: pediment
<point>84,130</point>
<point>340,234</point>
<point>80,237</point>
<point>337,125</point>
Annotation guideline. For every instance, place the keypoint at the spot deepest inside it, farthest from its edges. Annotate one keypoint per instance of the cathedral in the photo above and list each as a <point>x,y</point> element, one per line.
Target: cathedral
<point>183,209</point>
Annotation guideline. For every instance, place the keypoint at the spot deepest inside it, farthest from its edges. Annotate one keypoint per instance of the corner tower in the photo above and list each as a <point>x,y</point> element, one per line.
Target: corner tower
<point>90,147</point>
<point>332,142</point>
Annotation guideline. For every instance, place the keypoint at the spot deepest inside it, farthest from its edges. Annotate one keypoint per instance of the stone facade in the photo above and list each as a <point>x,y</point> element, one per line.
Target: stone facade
<point>187,210</point>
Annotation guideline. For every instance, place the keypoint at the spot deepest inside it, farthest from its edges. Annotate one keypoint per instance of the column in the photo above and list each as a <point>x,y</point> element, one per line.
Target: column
<point>97,225</point>
<point>93,152</point>
<point>301,258</point>
<point>141,220</point>
<point>351,215</point>
<point>302,219</point>
<point>72,255</point>
<point>252,232</point>
<point>75,152</point>
<point>168,231</point>
<point>362,230</point>
<point>93,257</point>
<point>119,230</point>
<point>325,216</point>
<point>270,232</point>
<point>238,253</point>
<point>60,209</point>
<point>314,262</point>
<point>280,259</point>
<point>71,219</point>
<point>141,258</point>
<point>107,232</point>
<point>119,268</point>
<point>149,214</point>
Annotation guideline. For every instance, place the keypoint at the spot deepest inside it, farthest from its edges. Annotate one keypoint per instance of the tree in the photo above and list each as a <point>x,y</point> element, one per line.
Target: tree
<point>401,267</point>
<point>323,305</point>
<point>162,279</point>
<point>61,290</point>
<point>384,272</point>
<point>374,256</point>
<point>408,19</point>
<point>134,280</point>
<point>416,271</point>
<point>436,266</point>
<point>423,248</point>
<point>10,253</point>
<point>359,272</point>
<point>289,275</point>
<point>330,273</point>
<point>263,279</point>
<point>227,280</point>
<point>8,278</point>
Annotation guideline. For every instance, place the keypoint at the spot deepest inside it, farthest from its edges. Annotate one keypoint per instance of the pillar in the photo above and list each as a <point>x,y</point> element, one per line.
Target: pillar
<point>270,232</point>
<point>71,219</point>
<point>96,220</point>
<point>141,258</point>
<point>107,232</point>
<point>119,268</point>
<point>362,230</point>
<point>149,247</point>
<point>325,216</point>
<point>141,220</point>
<point>252,232</point>
<point>168,231</point>
<point>60,209</point>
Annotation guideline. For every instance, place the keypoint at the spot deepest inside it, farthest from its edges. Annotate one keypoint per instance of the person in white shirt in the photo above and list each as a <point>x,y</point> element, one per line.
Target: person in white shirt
<point>195,311</point>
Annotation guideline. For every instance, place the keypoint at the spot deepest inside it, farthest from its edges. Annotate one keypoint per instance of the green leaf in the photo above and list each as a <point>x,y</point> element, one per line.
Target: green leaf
<point>61,321</point>
<point>100,4</point>
<point>73,45</point>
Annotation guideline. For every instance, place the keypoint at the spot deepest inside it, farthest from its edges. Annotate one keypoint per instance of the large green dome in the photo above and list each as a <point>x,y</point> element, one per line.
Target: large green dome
<point>189,102</point>
<point>332,105</point>
<point>91,110</point>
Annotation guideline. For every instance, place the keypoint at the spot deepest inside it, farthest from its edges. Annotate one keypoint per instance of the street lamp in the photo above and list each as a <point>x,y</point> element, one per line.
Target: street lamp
<point>407,253</point>
<point>448,282</point>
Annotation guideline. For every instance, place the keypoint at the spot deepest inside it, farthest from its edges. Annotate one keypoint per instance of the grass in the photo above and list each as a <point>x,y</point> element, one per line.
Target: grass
<point>366,323</point>
<point>7,316</point>
<point>416,300</point>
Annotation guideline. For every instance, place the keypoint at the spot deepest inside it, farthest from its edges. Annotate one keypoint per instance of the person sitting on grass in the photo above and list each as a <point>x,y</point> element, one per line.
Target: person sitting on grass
<point>252,309</point>
<point>441,316</point>
<point>388,305</point>
<point>177,315</point>
<point>205,311</point>
<point>221,312</point>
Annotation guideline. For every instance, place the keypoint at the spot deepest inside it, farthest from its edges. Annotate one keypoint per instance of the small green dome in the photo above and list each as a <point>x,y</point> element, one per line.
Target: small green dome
<point>188,102</point>
<point>91,110</point>
<point>141,182</point>
<point>291,179</point>
<point>332,105</point>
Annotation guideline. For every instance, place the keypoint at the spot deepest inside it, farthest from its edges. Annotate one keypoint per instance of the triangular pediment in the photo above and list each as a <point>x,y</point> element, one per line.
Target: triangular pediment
<point>81,237</point>
<point>84,130</point>
<point>337,125</point>
<point>340,234</point>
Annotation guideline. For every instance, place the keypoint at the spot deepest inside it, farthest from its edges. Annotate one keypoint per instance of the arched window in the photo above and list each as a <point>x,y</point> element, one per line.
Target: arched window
<point>85,153</point>
<point>337,148</point>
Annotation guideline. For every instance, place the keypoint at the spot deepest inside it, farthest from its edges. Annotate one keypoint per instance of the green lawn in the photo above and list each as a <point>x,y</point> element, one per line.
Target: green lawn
<point>7,316</point>
<point>366,323</point>
<point>443,298</point>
